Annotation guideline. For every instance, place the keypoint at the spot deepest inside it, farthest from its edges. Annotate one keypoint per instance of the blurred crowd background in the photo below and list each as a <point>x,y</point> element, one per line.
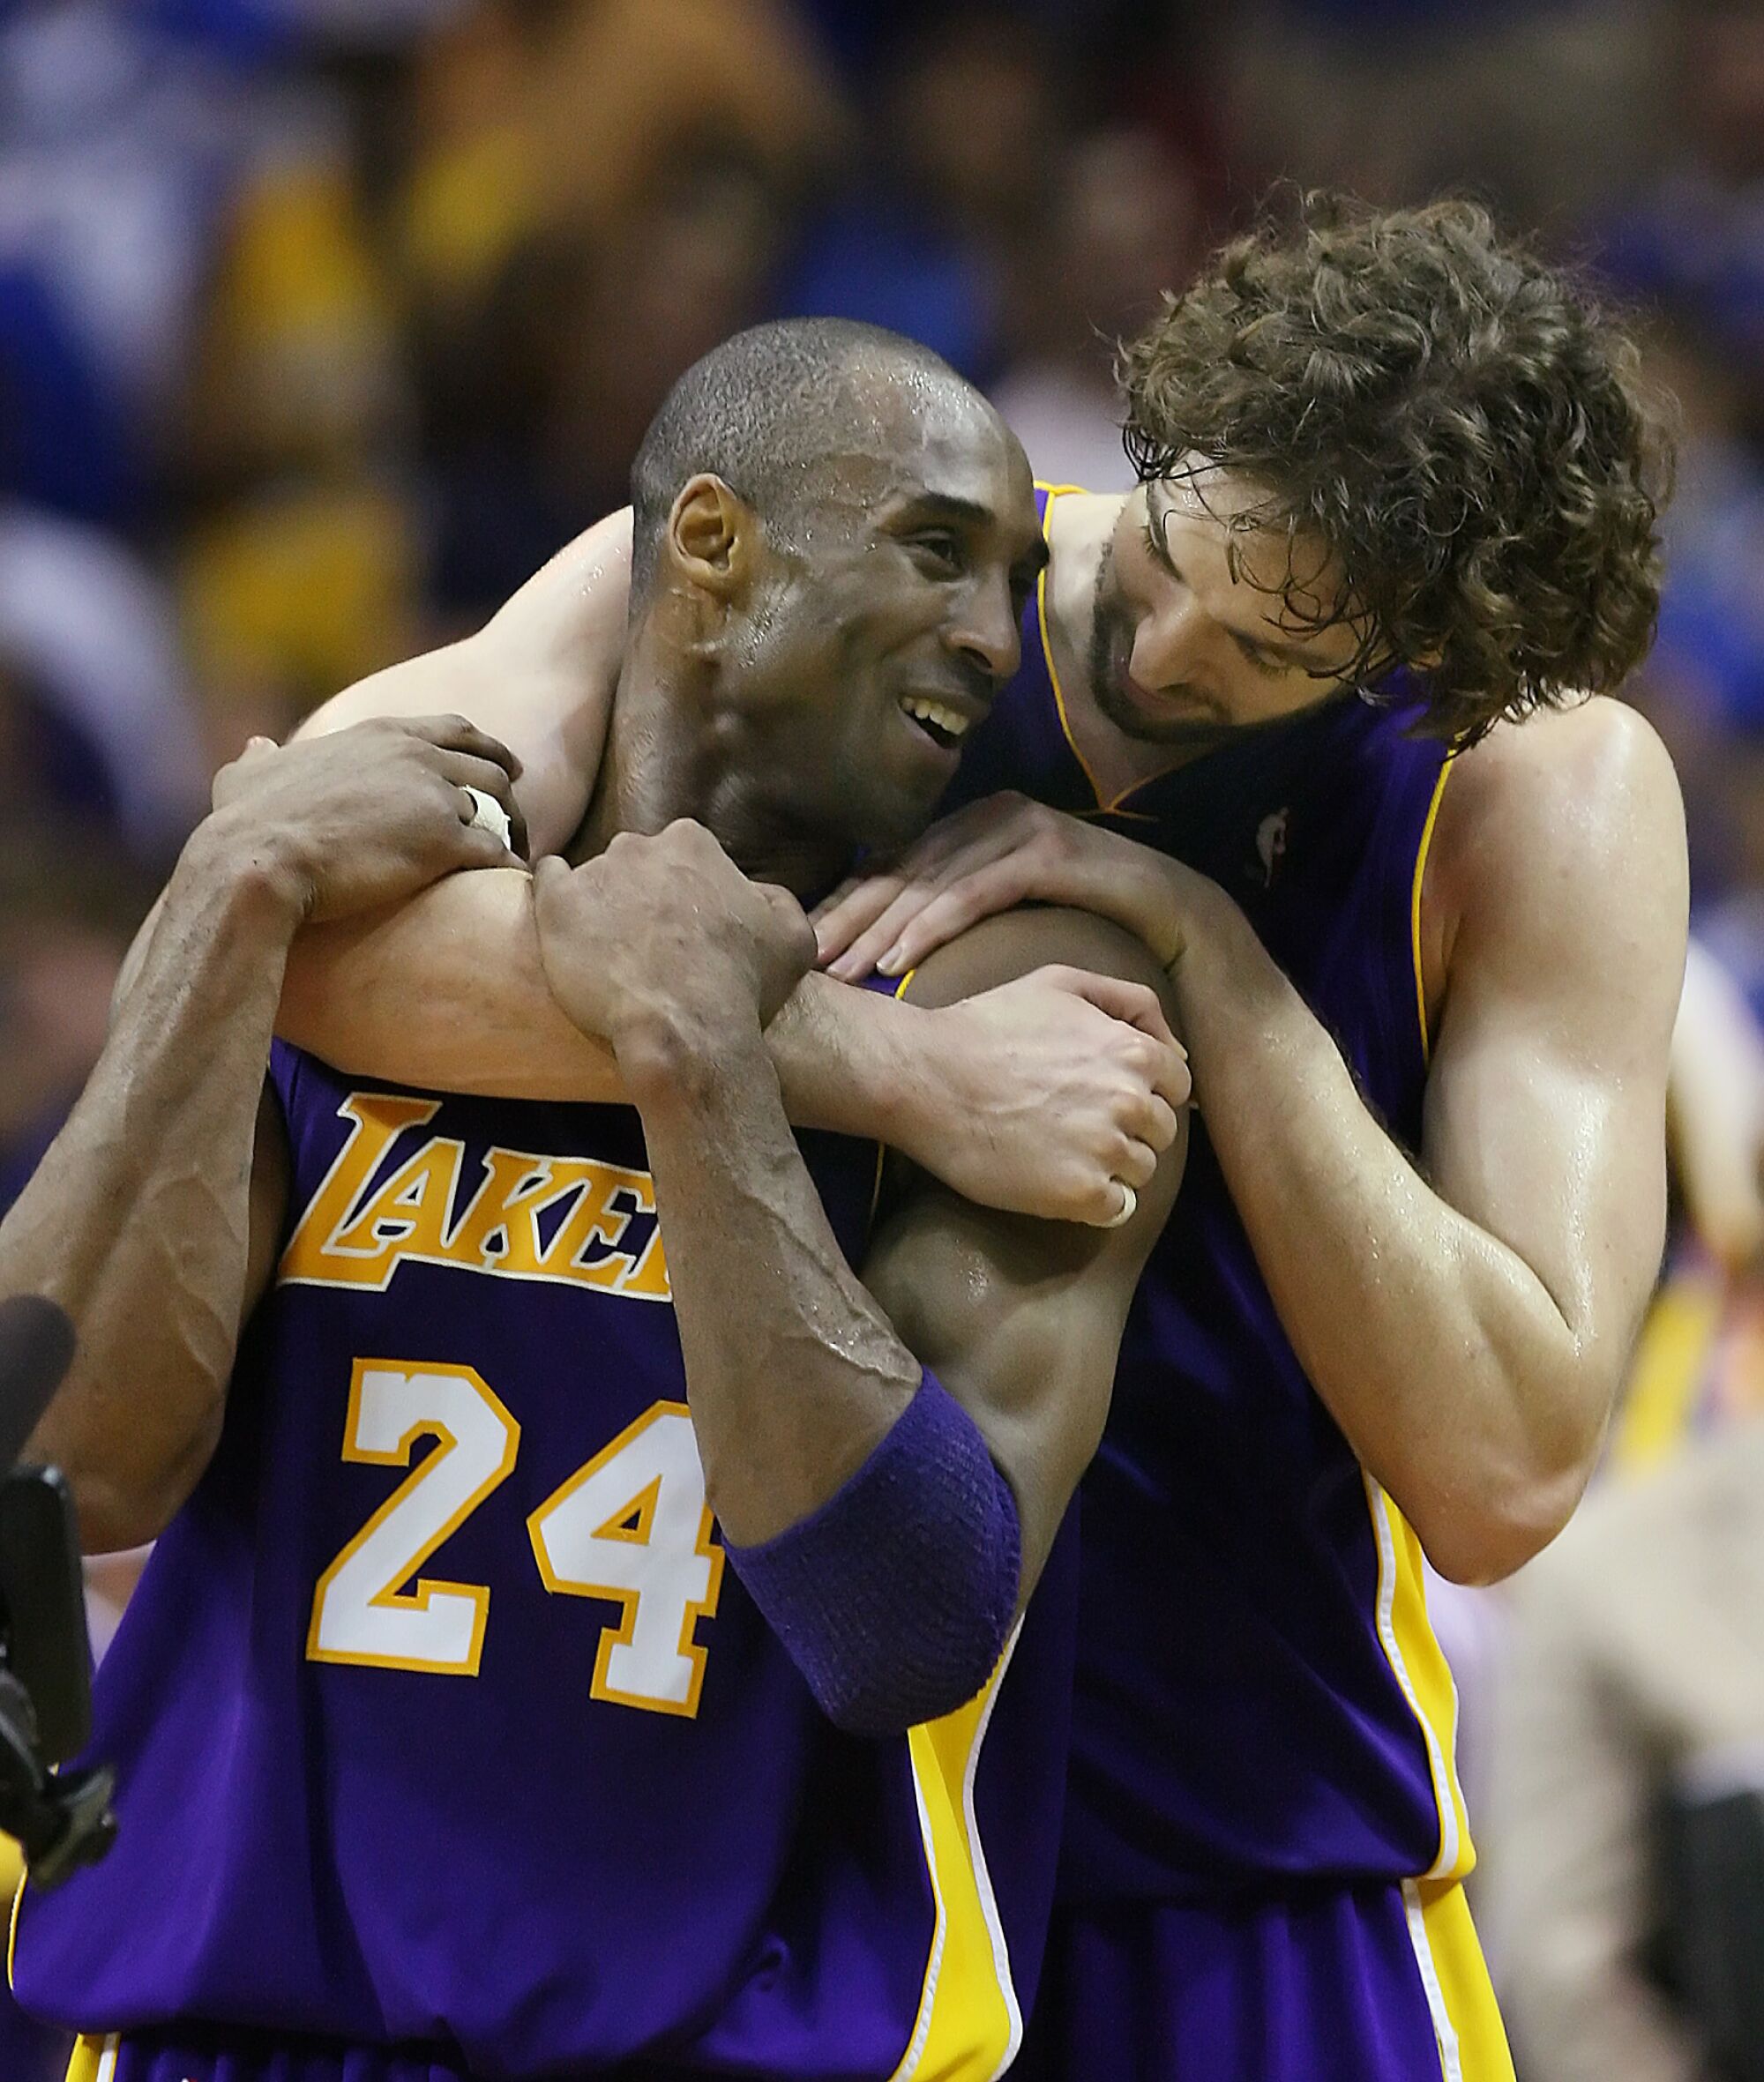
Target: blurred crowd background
<point>324,321</point>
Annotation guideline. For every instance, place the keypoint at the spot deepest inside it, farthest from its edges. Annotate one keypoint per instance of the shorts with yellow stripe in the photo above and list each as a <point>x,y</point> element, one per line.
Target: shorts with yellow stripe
<point>1376,1983</point>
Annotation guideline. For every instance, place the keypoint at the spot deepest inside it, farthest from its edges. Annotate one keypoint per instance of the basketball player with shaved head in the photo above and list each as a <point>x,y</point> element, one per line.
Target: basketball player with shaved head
<point>595,1631</point>
<point>1321,712</point>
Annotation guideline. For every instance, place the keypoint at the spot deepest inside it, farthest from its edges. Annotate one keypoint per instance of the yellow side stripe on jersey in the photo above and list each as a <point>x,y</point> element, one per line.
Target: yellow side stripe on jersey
<point>1424,1676</point>
<point>12,1926</point>
<point>1467,2025</point>
<point>12,1877</point>
<point>1405,1633</point>
<point>969,2024</point>
<point>1421,853</point>
<point>1054,493</point>
<point>94,2060</point>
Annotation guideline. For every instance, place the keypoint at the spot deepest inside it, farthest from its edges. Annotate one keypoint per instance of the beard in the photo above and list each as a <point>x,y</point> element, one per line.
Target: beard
<point>1111,646</point>
<point>1204,727</point>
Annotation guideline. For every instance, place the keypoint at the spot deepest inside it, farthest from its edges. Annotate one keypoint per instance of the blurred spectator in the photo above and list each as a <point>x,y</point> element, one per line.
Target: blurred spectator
<point>301,560</point>
<point>1694,236</point>
<point>536,407</point>
<point>1703,687</point>
<point>117,147</point>
<point>67,915</point>
<point>1543,106</point>
<point>95,706</point>
<point>1636,1666</point>
<point>656,87</point>
<point>1699,1365</point>
<point>1716,1113</point>
<point>1119,227</point>
<point>556,292</point>
<point>963,117</point>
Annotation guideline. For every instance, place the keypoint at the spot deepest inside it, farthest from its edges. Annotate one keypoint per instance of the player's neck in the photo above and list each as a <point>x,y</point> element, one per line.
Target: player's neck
<point>663,762</point>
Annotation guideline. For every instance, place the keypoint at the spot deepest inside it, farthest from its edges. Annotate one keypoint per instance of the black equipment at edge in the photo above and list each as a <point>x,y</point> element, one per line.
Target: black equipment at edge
<point>62,1820</point>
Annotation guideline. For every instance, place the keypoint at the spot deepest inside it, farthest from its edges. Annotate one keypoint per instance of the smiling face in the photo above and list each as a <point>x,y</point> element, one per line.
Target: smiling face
<point>880,629</point>
<point>1199,632</point>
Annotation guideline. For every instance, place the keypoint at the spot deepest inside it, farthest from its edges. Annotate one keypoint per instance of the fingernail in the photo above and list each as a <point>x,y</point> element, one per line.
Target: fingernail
<point>891,963</point>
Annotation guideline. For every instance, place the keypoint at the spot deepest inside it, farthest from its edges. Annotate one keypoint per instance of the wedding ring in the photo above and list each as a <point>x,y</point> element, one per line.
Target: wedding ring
<point>1130,1202</point>
<point>488,815</point>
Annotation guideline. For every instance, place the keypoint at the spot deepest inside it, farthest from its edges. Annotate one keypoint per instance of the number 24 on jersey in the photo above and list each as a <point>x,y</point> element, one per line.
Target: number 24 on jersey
<point>630,1524</point>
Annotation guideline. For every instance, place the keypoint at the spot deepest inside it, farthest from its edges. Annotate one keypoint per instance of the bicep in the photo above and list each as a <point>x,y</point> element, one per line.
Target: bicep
<point>1545,1114</point>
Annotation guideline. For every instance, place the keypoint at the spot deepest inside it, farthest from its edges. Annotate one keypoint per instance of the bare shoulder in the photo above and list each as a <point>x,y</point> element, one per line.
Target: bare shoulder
<point>1566,780</point>
<point>1573,813</point>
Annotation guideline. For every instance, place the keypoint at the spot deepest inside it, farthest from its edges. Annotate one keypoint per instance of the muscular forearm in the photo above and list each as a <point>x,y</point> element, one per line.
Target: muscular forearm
<point>467,952</point>
<point>1435,1347</point>
<point>795,1373</point>
<point>137,1220</point>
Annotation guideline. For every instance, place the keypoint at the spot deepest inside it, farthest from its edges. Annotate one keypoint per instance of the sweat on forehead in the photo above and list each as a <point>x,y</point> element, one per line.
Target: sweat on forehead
<point>776,409</point>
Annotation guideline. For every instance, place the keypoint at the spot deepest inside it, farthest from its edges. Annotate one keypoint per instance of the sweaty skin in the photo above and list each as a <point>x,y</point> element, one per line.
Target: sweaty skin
<point>659,943</point>
<point>1517,1251</point>
<point>1031,1097</point>
<point>1022,1319</point>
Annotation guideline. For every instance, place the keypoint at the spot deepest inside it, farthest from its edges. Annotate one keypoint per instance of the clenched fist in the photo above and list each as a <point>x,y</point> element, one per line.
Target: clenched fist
<point>664,940</point>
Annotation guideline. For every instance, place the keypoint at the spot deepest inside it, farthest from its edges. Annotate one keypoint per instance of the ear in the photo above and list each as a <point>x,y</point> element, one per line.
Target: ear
<point>713,536</point>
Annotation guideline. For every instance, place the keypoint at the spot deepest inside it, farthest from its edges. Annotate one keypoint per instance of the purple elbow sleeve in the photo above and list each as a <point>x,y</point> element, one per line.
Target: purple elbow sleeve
<point>895,1598</point>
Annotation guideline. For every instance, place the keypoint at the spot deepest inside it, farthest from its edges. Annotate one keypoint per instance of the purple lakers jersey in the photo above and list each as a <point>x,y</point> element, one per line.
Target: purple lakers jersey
<point>440,1722</point>
<point>1260,1697</point>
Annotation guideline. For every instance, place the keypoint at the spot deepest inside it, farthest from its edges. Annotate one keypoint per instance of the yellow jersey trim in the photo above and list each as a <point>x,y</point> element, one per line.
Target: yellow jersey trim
<point>1421,854</point>
<point>1467,2027</point>
<point>1404,1631</point>
<point>17,1904</point>
<point>970,2024</point>
<point>94,2060</point>
<point>1058,491</point>
<point>1422,1673</point>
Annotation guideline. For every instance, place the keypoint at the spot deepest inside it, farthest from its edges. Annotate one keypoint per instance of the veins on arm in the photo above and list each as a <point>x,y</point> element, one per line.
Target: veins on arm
<point>1022,1319</point>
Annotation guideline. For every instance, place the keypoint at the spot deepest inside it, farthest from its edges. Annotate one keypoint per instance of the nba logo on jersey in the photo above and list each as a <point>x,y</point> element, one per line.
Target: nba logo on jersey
<point>1271,843</point>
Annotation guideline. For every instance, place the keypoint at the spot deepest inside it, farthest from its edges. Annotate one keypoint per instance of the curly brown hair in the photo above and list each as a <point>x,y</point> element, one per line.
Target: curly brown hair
<point>1460,424</point>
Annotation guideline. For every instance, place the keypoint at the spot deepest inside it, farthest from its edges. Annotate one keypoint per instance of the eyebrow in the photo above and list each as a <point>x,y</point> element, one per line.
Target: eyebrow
<point>1290,654</point>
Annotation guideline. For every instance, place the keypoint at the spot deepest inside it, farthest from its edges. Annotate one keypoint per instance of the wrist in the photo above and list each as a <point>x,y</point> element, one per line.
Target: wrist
<point>682,1050</point>
<point>909,1089</point>
<point>849,1061</point>
<point>1154,907</point>
<point>227,867</point>
<point>1240,1017</point>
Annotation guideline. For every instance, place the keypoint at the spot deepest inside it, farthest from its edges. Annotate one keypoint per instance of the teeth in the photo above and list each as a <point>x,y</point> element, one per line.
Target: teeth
<point>934,711</point>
